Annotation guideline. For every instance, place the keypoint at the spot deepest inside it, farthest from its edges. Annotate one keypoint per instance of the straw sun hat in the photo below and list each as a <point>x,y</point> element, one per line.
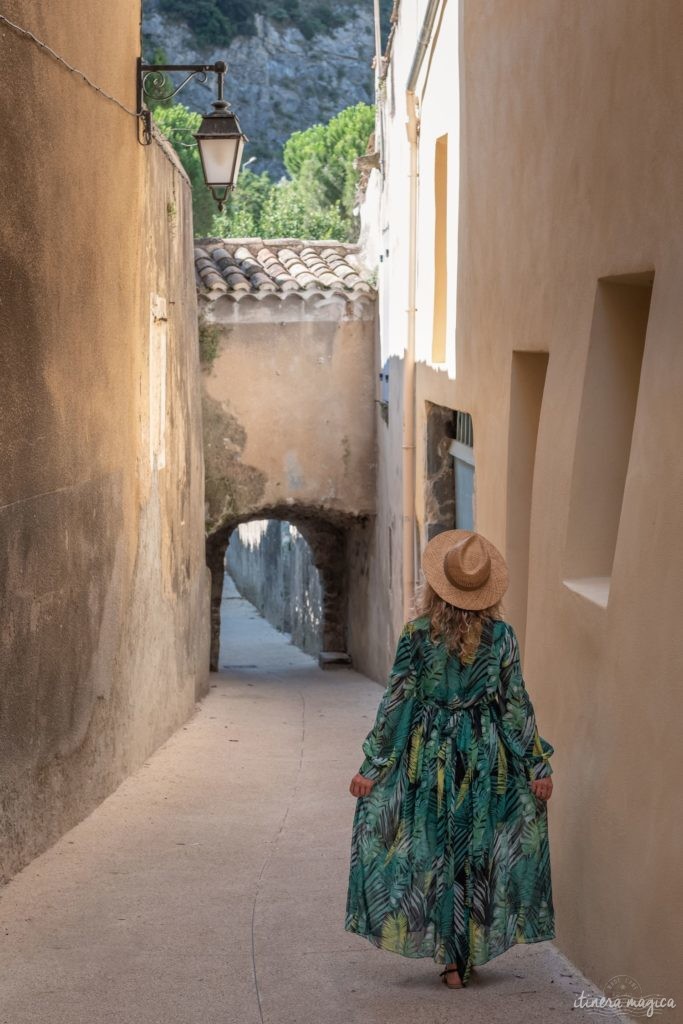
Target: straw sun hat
<point>465,569</point>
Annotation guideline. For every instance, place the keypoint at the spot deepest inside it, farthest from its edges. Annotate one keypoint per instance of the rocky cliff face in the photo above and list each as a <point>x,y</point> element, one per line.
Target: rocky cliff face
<point>278,82</point>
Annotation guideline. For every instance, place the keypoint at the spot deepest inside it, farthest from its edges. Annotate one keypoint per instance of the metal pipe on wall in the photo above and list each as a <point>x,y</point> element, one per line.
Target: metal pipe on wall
<point>379,72</point>
<point>409,394</point>
<point>408,439</point>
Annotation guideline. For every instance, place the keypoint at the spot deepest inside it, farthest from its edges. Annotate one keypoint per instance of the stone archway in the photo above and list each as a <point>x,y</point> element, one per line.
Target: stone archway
<point>288,338</point>
<point>326,535</point>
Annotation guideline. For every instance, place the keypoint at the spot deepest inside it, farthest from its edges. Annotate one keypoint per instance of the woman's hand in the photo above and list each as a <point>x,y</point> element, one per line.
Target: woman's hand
<point>542,788</point>
<point>360,786</point>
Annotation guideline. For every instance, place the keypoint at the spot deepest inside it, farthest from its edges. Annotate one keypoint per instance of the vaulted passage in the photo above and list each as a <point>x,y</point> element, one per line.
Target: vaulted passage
<point>271,564</point>
<point>327,541</point>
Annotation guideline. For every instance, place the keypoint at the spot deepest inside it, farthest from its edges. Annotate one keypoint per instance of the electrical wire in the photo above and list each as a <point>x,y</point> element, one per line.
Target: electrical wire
<point>157,136</point>
<point>75,71</point>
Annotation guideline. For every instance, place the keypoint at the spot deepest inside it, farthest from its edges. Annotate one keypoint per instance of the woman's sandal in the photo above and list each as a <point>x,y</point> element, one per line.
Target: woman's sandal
<point>450,970</point>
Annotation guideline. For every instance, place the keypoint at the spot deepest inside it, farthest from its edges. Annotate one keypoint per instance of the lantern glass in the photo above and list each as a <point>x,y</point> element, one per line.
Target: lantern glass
<point>221,159</point>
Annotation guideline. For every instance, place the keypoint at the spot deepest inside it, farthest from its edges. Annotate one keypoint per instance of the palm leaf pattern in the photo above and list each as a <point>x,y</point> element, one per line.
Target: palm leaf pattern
<point>450,856</point>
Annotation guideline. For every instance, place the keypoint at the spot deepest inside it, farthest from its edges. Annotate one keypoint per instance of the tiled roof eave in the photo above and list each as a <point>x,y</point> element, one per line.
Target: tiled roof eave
<point>256,267</point>
<point>302,296</point>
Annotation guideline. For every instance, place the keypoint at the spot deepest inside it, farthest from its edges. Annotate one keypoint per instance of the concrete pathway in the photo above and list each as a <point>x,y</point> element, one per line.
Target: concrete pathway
<point>210,887</point>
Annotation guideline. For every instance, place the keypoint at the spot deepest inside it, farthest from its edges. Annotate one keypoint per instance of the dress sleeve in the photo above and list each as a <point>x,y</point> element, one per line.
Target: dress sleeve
<point>518,720</point>
<point>387,739</point>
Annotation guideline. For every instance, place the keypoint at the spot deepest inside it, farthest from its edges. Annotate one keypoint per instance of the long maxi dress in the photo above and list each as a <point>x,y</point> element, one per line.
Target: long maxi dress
<point>449,851</point>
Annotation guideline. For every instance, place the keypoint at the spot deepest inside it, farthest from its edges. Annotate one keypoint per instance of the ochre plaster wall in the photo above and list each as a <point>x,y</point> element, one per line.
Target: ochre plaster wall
<point>105,622</point>
<point>375,613</point>
<point>290,423</point>
<point>289,407</point>
<point>572,169</point>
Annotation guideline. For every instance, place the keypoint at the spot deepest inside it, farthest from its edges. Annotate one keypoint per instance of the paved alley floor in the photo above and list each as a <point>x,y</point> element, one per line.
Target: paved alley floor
<point>210,887</point>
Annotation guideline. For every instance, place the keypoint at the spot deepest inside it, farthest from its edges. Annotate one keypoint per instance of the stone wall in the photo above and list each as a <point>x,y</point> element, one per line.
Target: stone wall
<point>289,434</point>
<point>288,405</point>
<point>272,566</point>
<point>104,632</point>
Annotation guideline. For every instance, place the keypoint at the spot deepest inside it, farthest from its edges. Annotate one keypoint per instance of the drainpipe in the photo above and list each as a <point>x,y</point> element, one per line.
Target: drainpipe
<point>378,44</point>
<point>379,69</point>
<point>408,444</point>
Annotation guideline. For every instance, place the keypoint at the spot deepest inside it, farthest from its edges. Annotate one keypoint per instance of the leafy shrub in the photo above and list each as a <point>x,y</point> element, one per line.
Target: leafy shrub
<point>209,338</point>
<point>316,201</point>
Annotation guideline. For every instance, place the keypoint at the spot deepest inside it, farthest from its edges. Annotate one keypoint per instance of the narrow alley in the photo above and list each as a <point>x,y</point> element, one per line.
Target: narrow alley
<point>375,307</point>
<point>210,885</point>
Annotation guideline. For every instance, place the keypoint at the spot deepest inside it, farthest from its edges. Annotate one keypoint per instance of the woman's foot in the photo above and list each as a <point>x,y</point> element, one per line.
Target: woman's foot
<point>450,976</point>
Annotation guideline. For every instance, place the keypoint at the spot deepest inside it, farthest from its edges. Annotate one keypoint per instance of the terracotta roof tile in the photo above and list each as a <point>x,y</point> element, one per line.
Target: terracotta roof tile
<point>252,266</point>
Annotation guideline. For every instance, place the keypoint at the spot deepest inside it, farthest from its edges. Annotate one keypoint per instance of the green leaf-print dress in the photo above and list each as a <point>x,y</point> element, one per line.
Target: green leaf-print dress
<point>449,851</point>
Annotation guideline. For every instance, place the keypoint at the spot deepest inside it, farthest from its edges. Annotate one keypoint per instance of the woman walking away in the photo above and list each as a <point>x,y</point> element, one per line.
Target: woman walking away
<point>449,848</point>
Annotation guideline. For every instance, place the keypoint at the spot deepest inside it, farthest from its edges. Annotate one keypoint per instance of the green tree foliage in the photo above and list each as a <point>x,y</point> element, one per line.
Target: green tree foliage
<point>315,201</point>
<point>323,157</point>
<point>289,213</point>
<point>242,216</point>
<point>263,208</point>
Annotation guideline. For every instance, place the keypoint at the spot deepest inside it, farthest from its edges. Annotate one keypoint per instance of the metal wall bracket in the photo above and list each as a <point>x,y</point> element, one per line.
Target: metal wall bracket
<point>153,84</point>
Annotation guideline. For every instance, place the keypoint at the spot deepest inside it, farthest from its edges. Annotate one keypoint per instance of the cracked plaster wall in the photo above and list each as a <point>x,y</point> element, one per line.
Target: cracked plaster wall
<point>105,601</point>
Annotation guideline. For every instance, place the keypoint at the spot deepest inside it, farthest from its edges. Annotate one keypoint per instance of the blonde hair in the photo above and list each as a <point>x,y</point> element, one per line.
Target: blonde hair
<point>459,628</point>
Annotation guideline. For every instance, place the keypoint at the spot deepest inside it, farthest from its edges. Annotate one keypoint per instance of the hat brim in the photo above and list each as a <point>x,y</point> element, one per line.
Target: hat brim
<point>483,597</point>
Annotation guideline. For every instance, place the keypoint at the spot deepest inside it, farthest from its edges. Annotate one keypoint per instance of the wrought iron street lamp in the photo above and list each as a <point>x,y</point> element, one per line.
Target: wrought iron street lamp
<point>220,139</point>
<point>221,143</point>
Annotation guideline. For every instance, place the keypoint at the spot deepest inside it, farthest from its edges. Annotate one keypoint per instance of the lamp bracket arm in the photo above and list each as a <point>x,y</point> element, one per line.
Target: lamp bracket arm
<point>151,84</point>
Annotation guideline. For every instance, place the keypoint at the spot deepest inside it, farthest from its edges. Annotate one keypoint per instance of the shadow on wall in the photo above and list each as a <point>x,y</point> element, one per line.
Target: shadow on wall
<point>272,567</point>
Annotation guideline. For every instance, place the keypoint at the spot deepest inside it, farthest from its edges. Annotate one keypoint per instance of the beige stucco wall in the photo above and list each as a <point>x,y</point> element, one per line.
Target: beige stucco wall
<point>385,230</point>
<point>290,427</point>
<point>104,632</point>
<point>374,549</point>
<point>289,407</point>
<point>570,169</point>
<point>572,174</point>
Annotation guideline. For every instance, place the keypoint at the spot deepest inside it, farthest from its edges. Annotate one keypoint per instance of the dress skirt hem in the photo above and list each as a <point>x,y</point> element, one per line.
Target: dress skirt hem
<point>474,961</point>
